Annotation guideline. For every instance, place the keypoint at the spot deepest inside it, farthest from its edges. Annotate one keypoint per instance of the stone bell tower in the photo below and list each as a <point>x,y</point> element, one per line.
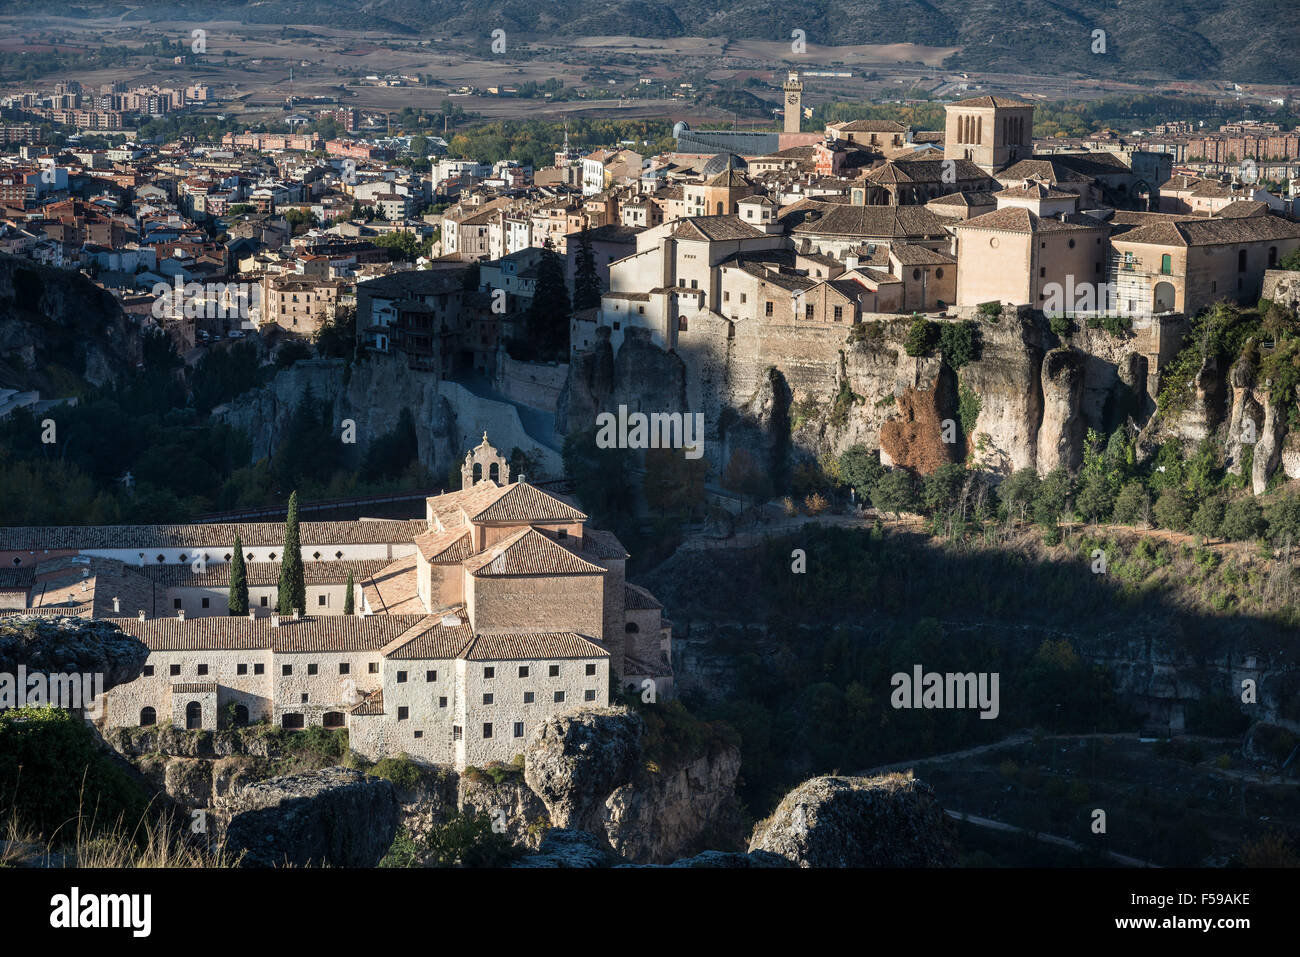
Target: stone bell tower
<point>492,465</point>
<point>793,102</point>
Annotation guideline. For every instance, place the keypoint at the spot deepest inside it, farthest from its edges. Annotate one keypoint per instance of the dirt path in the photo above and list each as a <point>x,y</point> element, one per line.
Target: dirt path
<point>1044,838</point>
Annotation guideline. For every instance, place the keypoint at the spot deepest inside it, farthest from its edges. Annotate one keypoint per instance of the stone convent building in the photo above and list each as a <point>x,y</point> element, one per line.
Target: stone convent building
<point>497,611</point>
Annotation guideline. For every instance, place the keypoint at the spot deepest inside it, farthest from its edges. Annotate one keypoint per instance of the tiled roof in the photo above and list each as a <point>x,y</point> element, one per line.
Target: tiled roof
<point>1015,219</point>
<point>1213,232</point>
<point>527,646</point>
<point>869,126</point>
<point>715,228</point>
<point>262,573</point>
<point>518,502</point>
<point>373,703</point>
<point>873,221</point>
<point>602,544</point>
<point>636,598</point>
<point>394,589</point>
<point>431,639</point>
<point>214,536</point>
<point>327,633</point>
<point>445,548</point>
<point>528,552</point>
<point>987,101</point>
<point>911,255</point>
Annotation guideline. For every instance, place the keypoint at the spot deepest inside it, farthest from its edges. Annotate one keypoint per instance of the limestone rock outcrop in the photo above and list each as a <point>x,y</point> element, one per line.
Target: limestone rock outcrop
<point>573,761</point>
<point>1060,437</point>
<point>890,821</point>
<point>67,646</point>
<point>334,817</point>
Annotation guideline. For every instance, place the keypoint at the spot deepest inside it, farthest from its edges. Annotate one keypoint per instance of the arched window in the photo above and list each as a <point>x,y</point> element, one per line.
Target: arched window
<point>478,472</point>
<point>494,472</point>
<point>292,721</point>
<point>1272,256</point>
<point>193,716</point>
<point>148,717</point>
<point>681,324</point>
<point>631,628</point>
<point>332,719</point>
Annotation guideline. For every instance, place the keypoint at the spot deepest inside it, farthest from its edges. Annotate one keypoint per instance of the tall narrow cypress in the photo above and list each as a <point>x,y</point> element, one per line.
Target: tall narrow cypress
<point>293,585</point>
<point>238,598</point>
<point>349,603</point>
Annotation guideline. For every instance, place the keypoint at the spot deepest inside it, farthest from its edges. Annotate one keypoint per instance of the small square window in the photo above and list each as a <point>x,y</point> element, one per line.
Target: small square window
<point>528,697</point>
<point>589,694</point>
<point>591,669</point>
<point>559,696</point>
<point>519,729</point>
<point>487,729</point>
<point>431,676</point>
<point>259,669</point>
<point>373,667</point>
<point>320,600</point>
<point>263,601</point>
<point>304,697</point>
<point>311,669</point>
<point>442,702</point>
<point>401,677</point>
<point>554,671</point>
<point>403,713</point>
<point>523,671</point>
<point>148,671</point>
<point>173,670</point>
<point>489,672</point>
<point>207,602</point>
<point>456,732</point>
<point>487,697</point>
<point>286,670</point>
<point>201,669</point>
<point>241,669</point>
<point>419,734</point>
<point>176,603</point>
<point>344,668</point>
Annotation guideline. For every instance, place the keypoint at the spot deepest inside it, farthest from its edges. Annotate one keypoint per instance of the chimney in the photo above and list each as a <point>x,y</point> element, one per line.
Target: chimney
<point>142,614</point>
<point>117,605</point>
<point>275,620</point>
<point>522,478</point>
<point>180,614</point>
<point>850,262</point>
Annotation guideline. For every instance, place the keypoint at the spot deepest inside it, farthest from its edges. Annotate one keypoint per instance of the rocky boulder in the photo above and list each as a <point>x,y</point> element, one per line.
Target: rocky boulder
<point>68,646</point>
<point>568,848</point>
<point>335,817</point>
<point>889,821</point>
<point>1060,438</point>
<point>573,761</point>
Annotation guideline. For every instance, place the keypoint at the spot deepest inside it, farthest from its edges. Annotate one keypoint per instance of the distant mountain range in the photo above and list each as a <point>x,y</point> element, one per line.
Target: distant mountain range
<point>1255,41</point>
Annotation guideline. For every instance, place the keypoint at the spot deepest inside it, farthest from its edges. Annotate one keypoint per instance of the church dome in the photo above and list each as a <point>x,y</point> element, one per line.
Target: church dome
<point>723,162</point>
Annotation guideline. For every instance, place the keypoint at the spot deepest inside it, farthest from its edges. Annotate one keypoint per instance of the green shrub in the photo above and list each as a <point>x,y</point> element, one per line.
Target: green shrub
<point>401,770</point>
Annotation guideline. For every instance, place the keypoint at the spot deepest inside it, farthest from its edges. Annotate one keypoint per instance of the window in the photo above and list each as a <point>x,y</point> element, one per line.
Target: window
<point>456,733</point>
<point>487,697</point>
<point>401,677</point>
<point>838,313</point>
<point>559,696</point>
<point>176,603</point>
<point>259,669</point>
<point>148,671</point>
<point>744,297</point>
<point>292,721</point>
<point>419,734</point>
<point>373,667</point>
<point>1071,243</point>
<point>173,670</point>
<point>767,308</point>
<point>148,717</point>
<point>403,713</point>
<point>304,697</point>
<point>519,729</point>
<point>431,676</point>
<point>263,601</point>
<point>808,311</point>
<point>1166,264</point>
<point>344,668</point>
<point>311,669</point>
<point>523,671</point>
<point>487,729</point>
<point>286,670</point>
<point>726,297</point>
<point>489,672</point>
<point>201,669</point>
<point>589,694</point>
<point>320,600</point>
<point>442,702</point>
<point>591,669</point>
<point>553,671</point>
<point>916,274</point>
<point>206,602</point>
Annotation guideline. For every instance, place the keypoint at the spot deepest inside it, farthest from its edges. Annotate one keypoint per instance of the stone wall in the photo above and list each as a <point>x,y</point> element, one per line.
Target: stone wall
<point>536,384</point>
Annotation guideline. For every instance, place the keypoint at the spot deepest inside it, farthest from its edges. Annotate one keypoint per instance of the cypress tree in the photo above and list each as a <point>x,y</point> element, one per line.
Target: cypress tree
<point>238,598</point>
<point>293,585</point>
<point>349,605</point>
<point>586,280</point>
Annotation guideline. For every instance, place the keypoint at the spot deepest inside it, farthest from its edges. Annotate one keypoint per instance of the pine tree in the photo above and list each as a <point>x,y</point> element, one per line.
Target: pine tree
<point>349,603</point>
<point>586,281</point>
<point>293,584</point>
<point>238,598</point>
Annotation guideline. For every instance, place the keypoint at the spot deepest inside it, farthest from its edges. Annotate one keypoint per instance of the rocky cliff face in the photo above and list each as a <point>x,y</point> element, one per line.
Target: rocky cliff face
<point>68,646</point>
<point>57,317</point>
<point>372,395</point>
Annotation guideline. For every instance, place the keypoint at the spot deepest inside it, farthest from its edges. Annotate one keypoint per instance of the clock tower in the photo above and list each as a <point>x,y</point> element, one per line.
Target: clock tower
<point>793,102</point>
